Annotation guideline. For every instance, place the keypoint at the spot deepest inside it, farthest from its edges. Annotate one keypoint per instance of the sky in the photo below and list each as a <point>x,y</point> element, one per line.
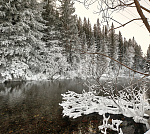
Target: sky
<point>134,29</point>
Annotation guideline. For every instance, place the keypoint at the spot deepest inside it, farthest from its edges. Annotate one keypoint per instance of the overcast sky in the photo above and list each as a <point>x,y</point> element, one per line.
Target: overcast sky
<point>135,29</point>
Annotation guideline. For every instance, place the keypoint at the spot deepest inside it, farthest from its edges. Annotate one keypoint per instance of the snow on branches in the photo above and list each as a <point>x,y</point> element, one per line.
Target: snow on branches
<point>76,105</point>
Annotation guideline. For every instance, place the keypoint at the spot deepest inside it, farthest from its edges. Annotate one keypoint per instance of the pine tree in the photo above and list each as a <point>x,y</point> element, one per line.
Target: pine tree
<point>93,61</point>
<point>88,30</point>
<point>113,47</point>
<point>148,60</point>
<point>51,32</point>
<point>137,65</point>
<point>105,41</point>
<point>69,28</point>
<point>81,34</point>
<point>97,34</point>
<point>102,61</point>
<point>80,27</point>
<point>20,37</point>
<point>120,48</point>
<point>49,12</point>
<point>83,42</point>
<point>89,34</point>
<point>128,53</point>
<point>105,33</point>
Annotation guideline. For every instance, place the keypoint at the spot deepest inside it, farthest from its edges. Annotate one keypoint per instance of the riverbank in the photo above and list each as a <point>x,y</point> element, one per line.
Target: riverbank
<point>33,107</point>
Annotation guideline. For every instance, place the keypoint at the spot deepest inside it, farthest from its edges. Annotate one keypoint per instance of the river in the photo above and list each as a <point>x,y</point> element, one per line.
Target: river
<point>33,108</point>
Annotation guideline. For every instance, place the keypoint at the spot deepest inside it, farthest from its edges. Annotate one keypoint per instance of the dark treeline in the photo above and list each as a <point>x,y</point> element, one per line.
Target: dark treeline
<point>50,40</point>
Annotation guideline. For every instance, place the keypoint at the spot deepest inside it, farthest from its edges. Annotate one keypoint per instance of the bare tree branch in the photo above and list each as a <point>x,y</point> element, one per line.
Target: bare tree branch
<point>114,5</point>
<point>126,23</point>
<point>144,19</point>
<point>83,52</point>
<point>145,9</point>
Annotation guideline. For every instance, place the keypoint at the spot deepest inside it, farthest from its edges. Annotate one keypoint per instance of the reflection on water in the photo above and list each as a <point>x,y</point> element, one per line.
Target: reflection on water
<point>33,108</point>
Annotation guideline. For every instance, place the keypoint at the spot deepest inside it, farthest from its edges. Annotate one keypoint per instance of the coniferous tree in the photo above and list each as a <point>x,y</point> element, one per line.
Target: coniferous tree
<point>88,30</point>
<point>95,30</point>
<point>148,60</point>
<point>137,65</point>
<point>102,61</point>
<point>80,27</point>
<point>113,47</point>
<point>97,34</point>
<point>120,48</point>
<point>129,53</point>
<point>85,26</point>
<point>21,32</point>
<point>81,34</point>
<point>93,49</point>
<point>105,32</point>
<point>53,49</point>
<point>89,33</point>
<point>69,28</point>
<point>105,42</point>
<point>49,15</point>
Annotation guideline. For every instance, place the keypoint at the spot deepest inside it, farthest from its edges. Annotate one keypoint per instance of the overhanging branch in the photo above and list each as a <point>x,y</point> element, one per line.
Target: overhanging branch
<point>144,19</point>
<point>145,9</point>
<point>83,52</point>
<point>122,25</point>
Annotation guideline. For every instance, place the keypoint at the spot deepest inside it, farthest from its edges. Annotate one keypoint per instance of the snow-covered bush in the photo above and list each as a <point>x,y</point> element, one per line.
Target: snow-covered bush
<point>16,71</point>
<point>55,65</point>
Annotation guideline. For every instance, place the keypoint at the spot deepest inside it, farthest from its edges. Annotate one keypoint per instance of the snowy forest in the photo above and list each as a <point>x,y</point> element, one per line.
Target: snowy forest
<point>43,41</point>
<point>46,40</point>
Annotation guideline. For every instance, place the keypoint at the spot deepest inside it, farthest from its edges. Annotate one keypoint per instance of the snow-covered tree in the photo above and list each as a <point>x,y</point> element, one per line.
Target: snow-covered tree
<point>97,34</point>
<point>148,60</point>
<point>69,29</point>
<point>80,27</point>
<point>20,33</point>
<point>113,47</point>
<point>51,32</point>
<point>129,53</point>
<point>120,48</point>
<point>88,30</point>
<point>93,57</point>
<point>137,65</point>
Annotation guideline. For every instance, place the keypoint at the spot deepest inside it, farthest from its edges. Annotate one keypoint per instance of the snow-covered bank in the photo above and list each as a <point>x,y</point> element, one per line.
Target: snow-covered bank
<point>76,105</point>
<point>19,71</point>
<point>148,132</point>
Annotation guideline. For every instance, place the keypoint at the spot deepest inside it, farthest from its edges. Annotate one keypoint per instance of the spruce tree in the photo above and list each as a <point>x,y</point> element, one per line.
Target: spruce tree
<point>138,60</point>
<point>84,42</point>
<point>51,34</point>
<point>102,38</point>
<point>148,60</point>
<point>85,26</point>
<point>88,30</point>
<point>69,28</point>
<point>128,53</point>
<point>80,27</point>
<point>120,48</point>
<point>97,34</point>
<point>113,47</point>
<point>21,32</point>
<point>89,33</point>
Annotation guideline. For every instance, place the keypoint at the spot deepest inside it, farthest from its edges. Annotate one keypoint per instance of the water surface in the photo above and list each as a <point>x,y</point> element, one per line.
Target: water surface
<point>33,108</point>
